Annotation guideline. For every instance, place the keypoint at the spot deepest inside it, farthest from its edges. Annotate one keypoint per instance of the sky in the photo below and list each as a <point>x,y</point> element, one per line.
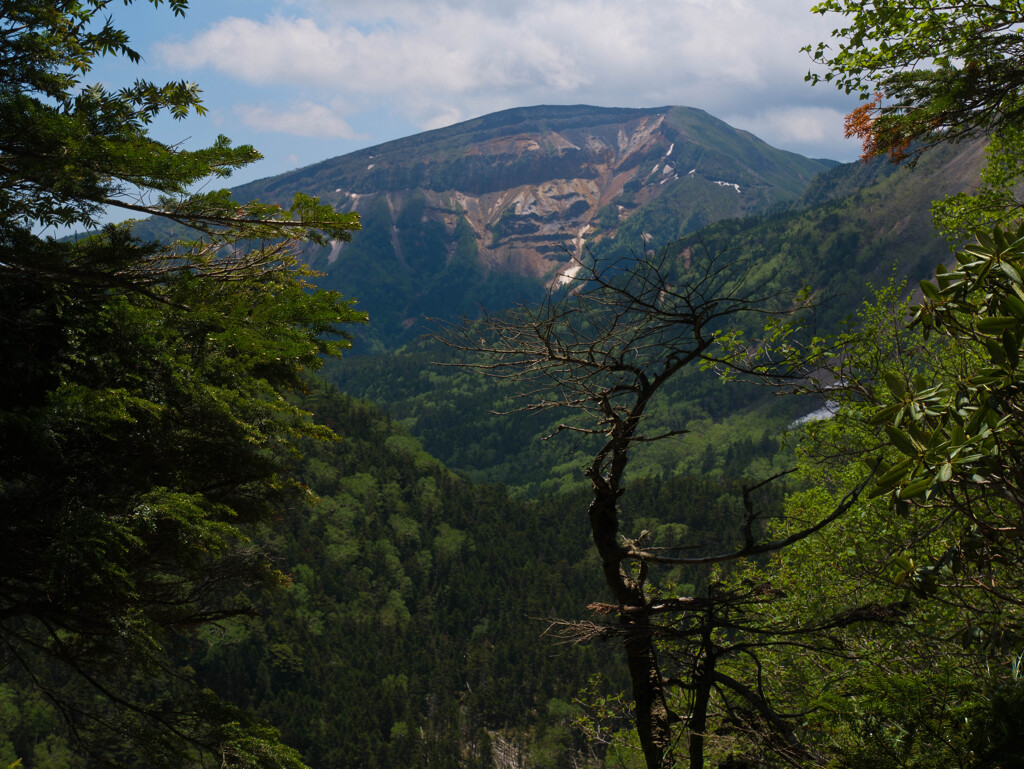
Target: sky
<point>307,80</point>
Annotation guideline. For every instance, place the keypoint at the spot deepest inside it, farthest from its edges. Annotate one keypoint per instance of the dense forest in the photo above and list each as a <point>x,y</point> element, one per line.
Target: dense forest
<point>595,528</point>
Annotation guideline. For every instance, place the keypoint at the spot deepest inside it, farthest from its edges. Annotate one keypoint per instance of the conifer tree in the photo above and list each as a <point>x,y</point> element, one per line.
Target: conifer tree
<point>145,424</point>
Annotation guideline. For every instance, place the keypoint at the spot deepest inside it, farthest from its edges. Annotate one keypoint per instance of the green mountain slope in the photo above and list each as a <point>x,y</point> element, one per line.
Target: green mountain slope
<point>856,225</point>
<point>411,634</point>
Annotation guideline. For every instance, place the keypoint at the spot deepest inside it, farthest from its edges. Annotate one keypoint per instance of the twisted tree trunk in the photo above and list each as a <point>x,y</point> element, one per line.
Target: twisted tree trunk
<point>652,712</point>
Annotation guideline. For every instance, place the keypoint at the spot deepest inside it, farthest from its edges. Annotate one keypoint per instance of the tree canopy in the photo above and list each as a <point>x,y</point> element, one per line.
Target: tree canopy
<point>927,397</point>
<point>145,416</point>
<point>930,70</point>
<point>883,631</point>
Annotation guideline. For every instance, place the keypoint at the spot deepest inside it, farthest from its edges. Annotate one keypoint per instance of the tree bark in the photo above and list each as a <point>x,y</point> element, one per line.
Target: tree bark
<point>652,713</point>
<point>702,681</point>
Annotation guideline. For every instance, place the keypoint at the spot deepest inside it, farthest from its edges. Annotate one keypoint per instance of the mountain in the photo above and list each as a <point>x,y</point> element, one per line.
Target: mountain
<point>489,210</point>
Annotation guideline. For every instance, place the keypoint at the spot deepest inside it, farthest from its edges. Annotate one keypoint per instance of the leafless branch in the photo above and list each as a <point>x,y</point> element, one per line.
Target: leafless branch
<point>751,548</point>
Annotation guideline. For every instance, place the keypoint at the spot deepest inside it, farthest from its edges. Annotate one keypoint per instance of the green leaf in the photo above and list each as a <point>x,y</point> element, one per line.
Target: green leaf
<point>1011,272</point>
<point>902,441</point>
<point>1014,305</point>
<point>929,290</point>
<point>902,567</point>
<point>1012,348</point>
<point>915,488</point>
<point>957,436</point>
<point>893,475</point>
<point>883,415</point>
<point>987,243</point>
<point>997,324</point>
<point>995,351</point>
<point>895,385</point>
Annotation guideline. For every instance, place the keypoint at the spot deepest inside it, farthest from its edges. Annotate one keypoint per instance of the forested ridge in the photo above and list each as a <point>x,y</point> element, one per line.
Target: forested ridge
<point>590,529</point>
<point>410,629</point>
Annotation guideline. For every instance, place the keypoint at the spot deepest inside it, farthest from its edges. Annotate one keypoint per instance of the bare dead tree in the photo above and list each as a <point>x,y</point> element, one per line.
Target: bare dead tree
<point>604,346</point>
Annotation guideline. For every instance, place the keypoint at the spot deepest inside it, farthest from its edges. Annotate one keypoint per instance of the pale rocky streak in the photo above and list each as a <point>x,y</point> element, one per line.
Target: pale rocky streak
<point>566,276</point>
<point>630,143</point>
<point>336,246</point>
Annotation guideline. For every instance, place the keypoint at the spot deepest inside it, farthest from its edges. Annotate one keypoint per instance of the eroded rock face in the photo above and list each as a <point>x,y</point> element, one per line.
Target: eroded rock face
<point>532,198</point>
<point>534,193</point>
<point>532,228</point>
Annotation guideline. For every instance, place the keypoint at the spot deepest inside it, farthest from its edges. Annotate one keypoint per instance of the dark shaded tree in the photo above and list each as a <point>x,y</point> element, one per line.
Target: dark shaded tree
<point>145,425</point>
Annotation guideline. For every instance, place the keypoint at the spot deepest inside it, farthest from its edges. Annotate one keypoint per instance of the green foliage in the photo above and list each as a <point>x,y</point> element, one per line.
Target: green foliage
<point>855,223</point>
<point>994,737</point>
<point>426,595</point>
<point>993,202</point>
<point>953,432</point>
<point>929,677</point>
<point>421,594</point>
<point>71,147</point>
<point>941,72</point>
<point>151,434</point>
<point>924,565</point>
<point>28,726</point>
<point>459,417</point>
<point>876,688</point>
<point>145,412</point>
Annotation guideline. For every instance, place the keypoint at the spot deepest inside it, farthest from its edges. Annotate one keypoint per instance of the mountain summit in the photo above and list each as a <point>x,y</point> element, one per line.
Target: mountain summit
<point>491,209</point>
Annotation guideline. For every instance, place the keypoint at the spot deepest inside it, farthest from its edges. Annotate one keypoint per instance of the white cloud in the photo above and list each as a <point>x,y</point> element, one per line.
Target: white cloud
<point>303,119</point>
<point>437,62</point>
<point>812,124</point>
<point>815,130</point>
<point>445,117</point>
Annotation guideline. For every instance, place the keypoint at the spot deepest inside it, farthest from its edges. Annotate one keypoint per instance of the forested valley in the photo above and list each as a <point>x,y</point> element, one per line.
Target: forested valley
<point>733,483</point>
